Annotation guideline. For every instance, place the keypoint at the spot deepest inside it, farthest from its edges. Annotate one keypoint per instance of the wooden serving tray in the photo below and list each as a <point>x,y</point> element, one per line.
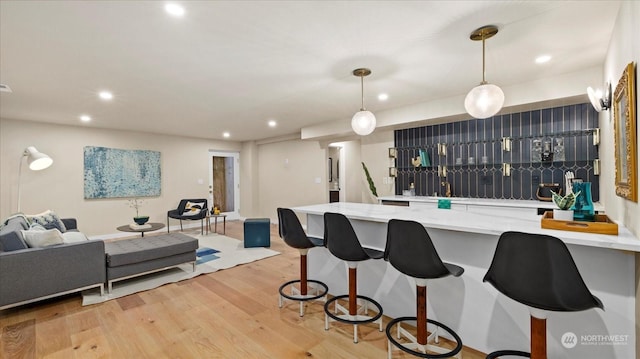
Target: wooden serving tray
<point>602,224</point>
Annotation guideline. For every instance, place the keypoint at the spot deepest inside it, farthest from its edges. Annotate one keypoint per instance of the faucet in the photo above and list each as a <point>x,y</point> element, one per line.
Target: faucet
<point>448,188</point>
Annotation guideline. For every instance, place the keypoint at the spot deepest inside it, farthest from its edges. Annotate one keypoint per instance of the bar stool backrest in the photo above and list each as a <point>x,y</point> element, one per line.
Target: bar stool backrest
<point>291,230</point>
<point>538,270</point>
<point>409,249</point>
<point>341,239</point>
<point>280,224</point>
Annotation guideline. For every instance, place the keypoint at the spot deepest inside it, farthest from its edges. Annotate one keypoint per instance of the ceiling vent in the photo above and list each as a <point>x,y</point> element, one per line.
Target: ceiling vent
<point>5,88</point>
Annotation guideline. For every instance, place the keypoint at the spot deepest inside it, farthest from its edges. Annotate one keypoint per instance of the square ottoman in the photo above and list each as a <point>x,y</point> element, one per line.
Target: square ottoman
<point>257,232</point>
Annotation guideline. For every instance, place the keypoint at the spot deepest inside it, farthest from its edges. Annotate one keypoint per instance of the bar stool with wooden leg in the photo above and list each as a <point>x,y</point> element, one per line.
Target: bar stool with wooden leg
<point>342,242</point>
<point>409,250</point>
<point>538,271</point>
<point>303,289</point>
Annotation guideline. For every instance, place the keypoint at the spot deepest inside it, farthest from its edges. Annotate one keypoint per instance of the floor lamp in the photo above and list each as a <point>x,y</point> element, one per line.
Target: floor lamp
<point>37,161</point>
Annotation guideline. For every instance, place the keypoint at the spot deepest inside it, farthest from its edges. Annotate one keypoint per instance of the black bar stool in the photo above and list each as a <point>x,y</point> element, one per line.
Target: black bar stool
<point>409,250</point>
<point>538,271</point>
<point>293,235</point>
<point>343,243</point>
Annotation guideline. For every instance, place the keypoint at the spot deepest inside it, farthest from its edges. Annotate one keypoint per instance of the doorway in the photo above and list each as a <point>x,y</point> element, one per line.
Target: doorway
<point>224,183</point>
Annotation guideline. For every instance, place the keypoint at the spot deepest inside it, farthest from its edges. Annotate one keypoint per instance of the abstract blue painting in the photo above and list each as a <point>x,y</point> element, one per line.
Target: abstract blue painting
<point>116,173</point>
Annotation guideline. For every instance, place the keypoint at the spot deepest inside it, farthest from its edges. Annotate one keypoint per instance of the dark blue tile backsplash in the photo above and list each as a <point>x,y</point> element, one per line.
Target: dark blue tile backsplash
<point>544,145</point>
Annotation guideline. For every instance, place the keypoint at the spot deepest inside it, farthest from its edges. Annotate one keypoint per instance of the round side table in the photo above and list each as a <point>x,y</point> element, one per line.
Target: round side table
<point>154,227</point>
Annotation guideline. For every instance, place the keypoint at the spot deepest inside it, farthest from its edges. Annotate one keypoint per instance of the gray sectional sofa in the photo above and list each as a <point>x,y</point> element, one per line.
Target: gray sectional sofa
<point>31,274</point>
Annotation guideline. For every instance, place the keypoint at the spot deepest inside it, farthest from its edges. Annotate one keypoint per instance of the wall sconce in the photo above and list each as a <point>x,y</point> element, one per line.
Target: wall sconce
<point>442,171</point>
<point>596,136</point>
<point>598,100</point>
<point>442,149</point>
<point>506,169</point>
<point>37,161</point>
<point>506,144</point>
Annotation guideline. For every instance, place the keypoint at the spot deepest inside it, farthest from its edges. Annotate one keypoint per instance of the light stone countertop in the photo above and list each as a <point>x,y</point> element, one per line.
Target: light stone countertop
<point>482,201</point>
<point>473,223</point>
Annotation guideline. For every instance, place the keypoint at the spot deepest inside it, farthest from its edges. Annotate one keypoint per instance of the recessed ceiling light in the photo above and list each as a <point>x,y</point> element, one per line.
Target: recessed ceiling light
<point>226,134</point>
<point>174,10</point>
<point>383,97</point>
<point>272,123</point>
<point>542,59</point>
<point>85,118</point>
<point>105,95</point>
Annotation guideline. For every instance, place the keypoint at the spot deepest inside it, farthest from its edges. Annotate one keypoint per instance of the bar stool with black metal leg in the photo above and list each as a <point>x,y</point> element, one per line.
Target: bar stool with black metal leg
<point>409,250</point>
<point>342,242</point>
<point>293,234</point>
<point>538,271</point>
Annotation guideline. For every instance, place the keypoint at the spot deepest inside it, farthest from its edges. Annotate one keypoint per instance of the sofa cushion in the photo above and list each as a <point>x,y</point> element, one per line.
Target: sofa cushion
<point>11,236</point>
<point>129,251</point>
<point>49,219</point>
<point>42,238</point>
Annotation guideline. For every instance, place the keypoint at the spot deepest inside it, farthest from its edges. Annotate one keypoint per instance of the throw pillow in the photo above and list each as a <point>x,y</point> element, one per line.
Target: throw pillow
<point>37,227</point>
<point>73,237</point>
<point>10,236</point>
<point>12,241</point>
<point>192,208</point>
<point>48,219</point>
<point>38,239</point>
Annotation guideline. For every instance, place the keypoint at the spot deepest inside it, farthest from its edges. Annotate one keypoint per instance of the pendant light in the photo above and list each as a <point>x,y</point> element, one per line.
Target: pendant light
<point>484,100</point>
<point>363,122</point>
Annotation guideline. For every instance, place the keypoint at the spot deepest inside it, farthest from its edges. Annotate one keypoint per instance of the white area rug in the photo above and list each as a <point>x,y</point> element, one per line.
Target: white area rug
<point>231,253</point>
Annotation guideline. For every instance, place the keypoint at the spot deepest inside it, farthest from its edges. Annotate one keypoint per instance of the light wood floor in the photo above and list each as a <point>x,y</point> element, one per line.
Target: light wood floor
<point>227,314</point>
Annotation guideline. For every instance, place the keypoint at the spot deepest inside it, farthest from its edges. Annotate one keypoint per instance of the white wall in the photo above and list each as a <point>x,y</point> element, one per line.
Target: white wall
<point>375,154</point>
<point>249,184</point>
<point>61,186</point>
<point>287,174</point>
<point>624,48</point>
<point>353,174</point>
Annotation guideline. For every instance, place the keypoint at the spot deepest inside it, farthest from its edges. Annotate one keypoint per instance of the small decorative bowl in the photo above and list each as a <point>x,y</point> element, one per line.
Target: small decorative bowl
<point>141,220</point>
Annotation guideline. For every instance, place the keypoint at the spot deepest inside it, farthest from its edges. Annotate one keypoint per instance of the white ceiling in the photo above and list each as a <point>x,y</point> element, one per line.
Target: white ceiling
<point>233,65</point>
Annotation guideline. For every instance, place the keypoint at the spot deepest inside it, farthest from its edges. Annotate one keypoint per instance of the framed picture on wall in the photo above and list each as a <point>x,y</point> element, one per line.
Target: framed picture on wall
<point>626,141</point>
<point>118,173</point>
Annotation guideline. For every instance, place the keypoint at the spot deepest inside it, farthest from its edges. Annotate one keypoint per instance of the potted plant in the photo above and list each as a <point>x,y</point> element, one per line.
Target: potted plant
<point>564,203</point>
<point>372,186</point>
<point>136,203</point>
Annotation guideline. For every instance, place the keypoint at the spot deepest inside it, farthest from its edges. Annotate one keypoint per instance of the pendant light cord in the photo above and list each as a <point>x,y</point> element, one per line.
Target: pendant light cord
<point>483,65</point>
<point>362,91</point>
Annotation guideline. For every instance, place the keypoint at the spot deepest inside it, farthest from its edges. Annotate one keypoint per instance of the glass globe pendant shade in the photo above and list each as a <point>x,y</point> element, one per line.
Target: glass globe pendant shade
<point>484,101</point>
<point>363,122</point>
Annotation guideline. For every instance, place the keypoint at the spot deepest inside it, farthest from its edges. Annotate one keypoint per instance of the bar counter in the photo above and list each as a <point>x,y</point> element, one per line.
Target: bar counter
<point>485,319</point>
